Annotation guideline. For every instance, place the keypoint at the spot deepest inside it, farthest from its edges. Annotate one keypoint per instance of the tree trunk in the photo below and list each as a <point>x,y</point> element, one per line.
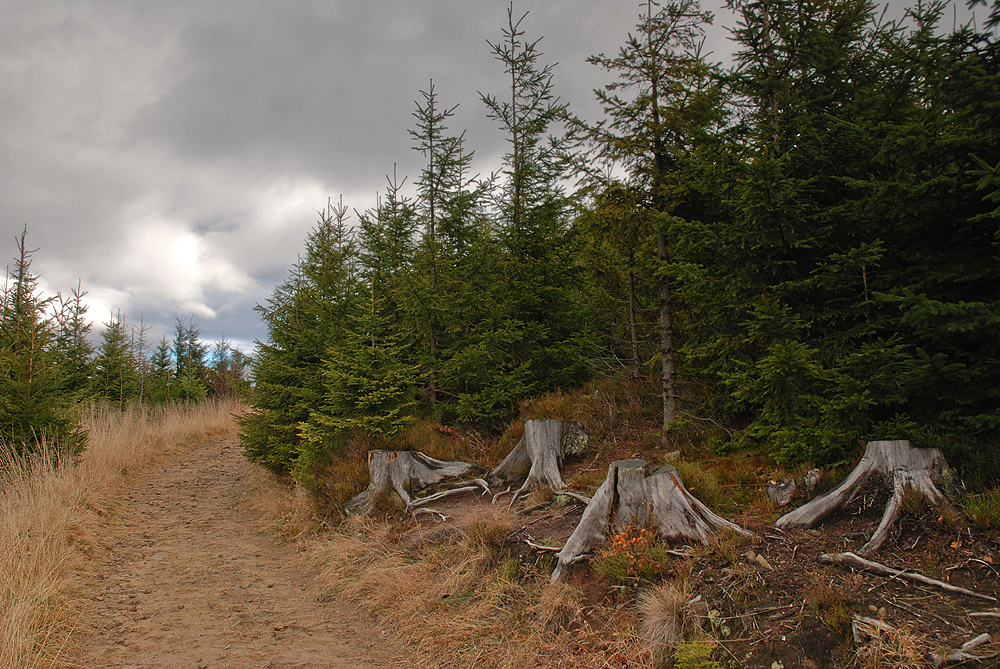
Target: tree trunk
<point>632,324</point>
<point>540,452</point>
<point>667,381</point>
<point>631,496</point>
<point>403,471</point>
<point>902,467</point>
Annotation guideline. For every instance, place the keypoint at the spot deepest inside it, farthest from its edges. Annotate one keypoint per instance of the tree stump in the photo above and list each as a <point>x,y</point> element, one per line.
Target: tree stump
<point>403,471</point>
<point>660,501</point>
<point>540,452</point>
<point>904,467</point>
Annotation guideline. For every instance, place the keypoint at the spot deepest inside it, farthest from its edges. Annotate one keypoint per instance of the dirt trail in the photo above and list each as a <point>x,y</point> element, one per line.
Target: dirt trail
<point>189,580</point>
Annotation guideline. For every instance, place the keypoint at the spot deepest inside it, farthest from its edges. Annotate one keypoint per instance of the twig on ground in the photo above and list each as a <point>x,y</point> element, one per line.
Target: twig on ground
<point>539,547</point>
<point>942,658</point>
<point>855,562</point>
<point>432,512</point>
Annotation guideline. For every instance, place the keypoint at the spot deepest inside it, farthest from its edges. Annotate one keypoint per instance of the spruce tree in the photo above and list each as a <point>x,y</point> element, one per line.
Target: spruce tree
<point>308,311</point>
<point>33,405</point>
<point>534,338</point>
<point>368,387</point>
<point>161,383</point>
<point>73,347</point>
<point>444,208</point>
<point>116,376</point>
<point>662,104</point>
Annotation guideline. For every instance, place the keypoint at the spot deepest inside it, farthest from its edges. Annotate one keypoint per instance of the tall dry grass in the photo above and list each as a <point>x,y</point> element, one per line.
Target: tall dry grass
<point>462,600</point>
<point>51,506</point>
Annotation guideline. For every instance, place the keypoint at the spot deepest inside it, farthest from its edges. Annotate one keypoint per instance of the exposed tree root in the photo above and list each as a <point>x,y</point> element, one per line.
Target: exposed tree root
<point>908,469</point>
<point>632,496</point>
<point>403,471</point>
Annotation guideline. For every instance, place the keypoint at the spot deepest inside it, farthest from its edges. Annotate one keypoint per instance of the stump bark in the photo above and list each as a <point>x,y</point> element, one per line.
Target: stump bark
<point>403,472</point>
<point>901,466</point>
<point>540,453</point>
<point>630,495</point>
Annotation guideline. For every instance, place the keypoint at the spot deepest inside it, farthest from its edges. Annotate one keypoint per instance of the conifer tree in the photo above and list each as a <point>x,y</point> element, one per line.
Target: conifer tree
<point>33,405</point>
<point>534,337</point>
<point>116,377</point>
<point>161,383</point>
<point>444,207</point>
<point>368,388</point>
<point>661,105</point>
<point>307,312</point>
<point>74,350</point>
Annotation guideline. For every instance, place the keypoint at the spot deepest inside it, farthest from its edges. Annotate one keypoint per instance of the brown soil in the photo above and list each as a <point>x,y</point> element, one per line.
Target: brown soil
<point>189,577</point>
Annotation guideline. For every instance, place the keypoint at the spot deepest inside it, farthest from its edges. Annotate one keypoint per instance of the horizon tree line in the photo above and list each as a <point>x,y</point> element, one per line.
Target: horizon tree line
<point>52,364</point>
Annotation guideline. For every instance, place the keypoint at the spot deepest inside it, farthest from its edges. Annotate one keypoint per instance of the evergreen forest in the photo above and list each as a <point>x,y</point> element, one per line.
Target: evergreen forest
<point>51,369</point>
<point>798,248</point>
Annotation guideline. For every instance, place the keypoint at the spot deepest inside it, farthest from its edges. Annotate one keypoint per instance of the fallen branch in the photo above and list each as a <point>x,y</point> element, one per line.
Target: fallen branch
<point>430,512</point>
<point>860,622</point>
<point>539,547</point>
<point>416,503</point>
<point>942,658</point>
<point>574,495</point>
<point>855,562</point>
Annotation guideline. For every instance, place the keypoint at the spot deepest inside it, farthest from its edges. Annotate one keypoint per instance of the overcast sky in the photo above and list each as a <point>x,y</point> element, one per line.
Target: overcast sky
<point>172,156</point>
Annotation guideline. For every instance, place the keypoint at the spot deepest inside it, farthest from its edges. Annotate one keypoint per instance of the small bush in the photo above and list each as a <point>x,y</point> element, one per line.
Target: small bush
<point>696,655</point>
<point>634,554</point>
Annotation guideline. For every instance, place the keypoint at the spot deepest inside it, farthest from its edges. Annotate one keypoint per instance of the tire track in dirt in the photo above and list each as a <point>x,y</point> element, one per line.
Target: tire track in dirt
<point>189,580</point>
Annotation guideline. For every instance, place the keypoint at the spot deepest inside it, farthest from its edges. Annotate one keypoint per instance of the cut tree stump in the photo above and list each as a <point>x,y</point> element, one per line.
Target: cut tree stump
<point>901,466</point>
<point>540,453</point>
<point>631,495</point>
<point>404,471</point>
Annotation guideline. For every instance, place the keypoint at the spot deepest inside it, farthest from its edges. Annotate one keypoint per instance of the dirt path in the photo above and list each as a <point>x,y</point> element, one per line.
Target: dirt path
<point>189,581</point>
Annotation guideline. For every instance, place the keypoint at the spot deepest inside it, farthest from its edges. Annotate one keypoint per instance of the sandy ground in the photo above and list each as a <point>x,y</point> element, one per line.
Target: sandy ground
<point>188,579</point>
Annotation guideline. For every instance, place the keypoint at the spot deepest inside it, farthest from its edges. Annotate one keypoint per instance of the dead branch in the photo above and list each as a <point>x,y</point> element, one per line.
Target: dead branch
<point>855,562</point>
<point>539,547</point>
<point>942,658</point>
<point>432,512</point>
<point>860,623</point>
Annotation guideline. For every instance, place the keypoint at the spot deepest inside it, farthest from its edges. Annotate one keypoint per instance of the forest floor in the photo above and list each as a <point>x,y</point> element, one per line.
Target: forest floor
<point>189,576</point>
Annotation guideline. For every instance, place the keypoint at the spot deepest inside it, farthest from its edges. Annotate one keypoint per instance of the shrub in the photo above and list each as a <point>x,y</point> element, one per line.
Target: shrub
<point>634,554</point>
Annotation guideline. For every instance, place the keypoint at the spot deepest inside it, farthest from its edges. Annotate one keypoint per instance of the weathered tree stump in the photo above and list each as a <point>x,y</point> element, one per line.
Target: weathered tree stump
<point>404,471</point>
<point>900,465</point>
<point>660,501</point>
<point>540,452</point>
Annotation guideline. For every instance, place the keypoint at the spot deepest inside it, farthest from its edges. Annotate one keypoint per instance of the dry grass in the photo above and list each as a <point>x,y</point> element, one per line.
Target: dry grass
<point>889,647</point>
<point>461,599</point>
<point>50,510</point>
